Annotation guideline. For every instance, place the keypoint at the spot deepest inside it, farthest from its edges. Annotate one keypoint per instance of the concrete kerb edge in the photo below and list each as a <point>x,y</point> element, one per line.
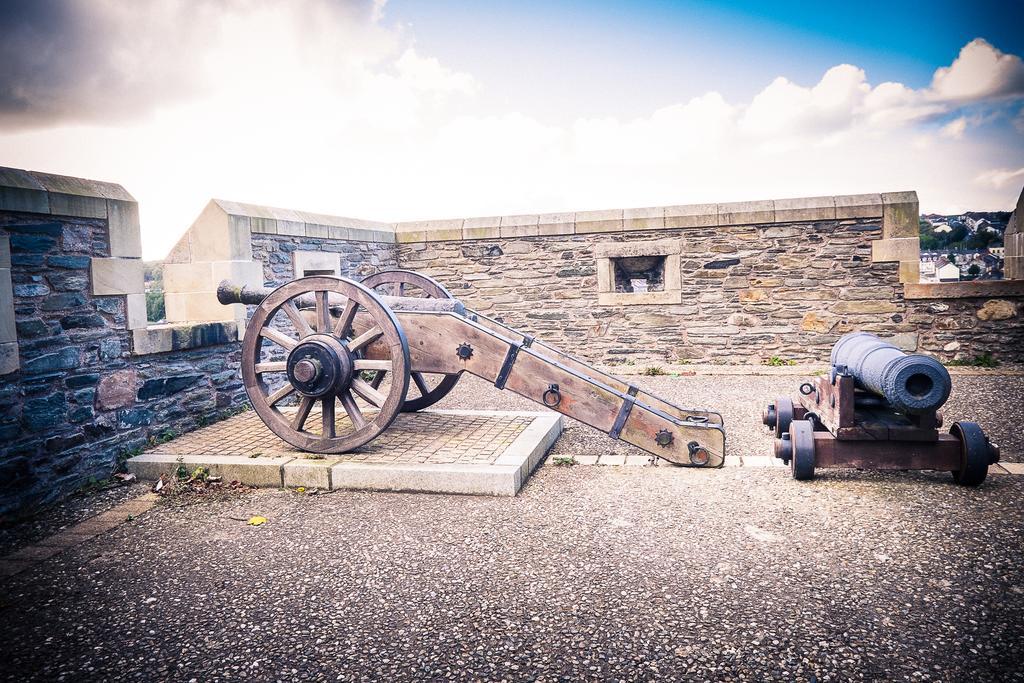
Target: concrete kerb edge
<point>532,445</point>
<point>149,466</point>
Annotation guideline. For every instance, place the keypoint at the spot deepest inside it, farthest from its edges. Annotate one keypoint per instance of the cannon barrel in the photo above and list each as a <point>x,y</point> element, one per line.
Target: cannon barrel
<point>233,293</point>
<point>912,383</point>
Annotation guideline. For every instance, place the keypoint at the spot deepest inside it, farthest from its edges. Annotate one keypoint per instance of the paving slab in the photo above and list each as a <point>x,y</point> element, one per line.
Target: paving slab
<point>440,451</point>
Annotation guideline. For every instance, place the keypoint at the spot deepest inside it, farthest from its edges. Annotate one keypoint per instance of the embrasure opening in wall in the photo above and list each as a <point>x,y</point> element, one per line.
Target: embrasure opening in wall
<point>639,274</point>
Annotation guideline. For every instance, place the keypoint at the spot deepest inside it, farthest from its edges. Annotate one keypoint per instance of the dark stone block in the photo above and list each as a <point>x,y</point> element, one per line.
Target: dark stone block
<point>59,302</point>
<point>56,444</point>
<point>32,328</point>
<point>69,282</point>
<point>8,431</point>
<point>99,429</point>
<point>33,243</point>
<point>214,364</point>
<point>79,381</point>
<point>81,414</point>
<point>288,247</point>
<point>584,271</point>
<point>165,386</point>
<point>51,229</point>
<point>721,263</point>
<point>44,413</point>
<point>481,250</point>
<point>27,260</point>
<point>15,470</point>
<point>135,417</point>
<point>110,349</point>
<point>31,290</point>
<point>547,316</point>
<point>80,320</point>
<point>225,376</point>
<point>112,305</point>
<point>65,359</point>
<point>85,397</point>
<point>73,261</point>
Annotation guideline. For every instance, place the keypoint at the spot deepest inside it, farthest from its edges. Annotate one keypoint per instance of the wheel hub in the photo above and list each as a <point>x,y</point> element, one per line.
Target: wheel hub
<point>320,366</point>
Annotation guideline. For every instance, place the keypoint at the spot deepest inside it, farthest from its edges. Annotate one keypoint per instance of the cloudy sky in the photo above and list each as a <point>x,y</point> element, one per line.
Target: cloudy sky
<point>411,110</point>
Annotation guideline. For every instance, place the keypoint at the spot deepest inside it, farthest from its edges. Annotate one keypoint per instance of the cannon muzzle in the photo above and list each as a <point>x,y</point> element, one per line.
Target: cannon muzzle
<point>912,383</point>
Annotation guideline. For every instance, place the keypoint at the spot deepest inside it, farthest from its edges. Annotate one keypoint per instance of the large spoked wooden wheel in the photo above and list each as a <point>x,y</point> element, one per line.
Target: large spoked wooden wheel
<point>296,371</point>
<point>430,387</point>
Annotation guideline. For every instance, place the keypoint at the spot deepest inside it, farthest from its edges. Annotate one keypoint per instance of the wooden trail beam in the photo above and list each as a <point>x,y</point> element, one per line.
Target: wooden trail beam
<point>449,343</point>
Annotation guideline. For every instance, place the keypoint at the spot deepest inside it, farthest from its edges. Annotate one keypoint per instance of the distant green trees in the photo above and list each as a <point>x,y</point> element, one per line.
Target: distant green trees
<point>154,273</point>
<point>957,239</point>
<point>155,306</point>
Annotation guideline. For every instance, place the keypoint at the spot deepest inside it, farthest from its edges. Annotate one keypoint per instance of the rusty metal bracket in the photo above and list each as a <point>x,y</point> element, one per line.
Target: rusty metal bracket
<point>506,367</point>
<point>620,420</point>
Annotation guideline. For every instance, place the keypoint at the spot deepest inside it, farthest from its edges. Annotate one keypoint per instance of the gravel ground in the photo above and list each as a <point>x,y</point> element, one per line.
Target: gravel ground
<point>591,573</point>
<point>71,511</point>
<point>996,402</point>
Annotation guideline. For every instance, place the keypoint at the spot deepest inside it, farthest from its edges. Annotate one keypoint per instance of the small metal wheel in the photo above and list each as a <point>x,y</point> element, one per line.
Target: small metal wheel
<point>801,436</point>
<point>975,454</point>
<point>783,448</point>
<point>291,366</point>
<point>430,387</point>
<point>783,415</point>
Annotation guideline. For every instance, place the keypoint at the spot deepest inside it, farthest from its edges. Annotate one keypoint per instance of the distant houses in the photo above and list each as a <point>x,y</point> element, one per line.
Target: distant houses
<point>967,246</point>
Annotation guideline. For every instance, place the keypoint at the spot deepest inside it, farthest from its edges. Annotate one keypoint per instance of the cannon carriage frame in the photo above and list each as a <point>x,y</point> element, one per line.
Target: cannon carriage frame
<point>342,342</point>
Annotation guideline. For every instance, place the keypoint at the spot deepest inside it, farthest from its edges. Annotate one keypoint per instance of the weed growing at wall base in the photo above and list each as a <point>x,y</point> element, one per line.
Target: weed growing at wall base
<point>985,360</point>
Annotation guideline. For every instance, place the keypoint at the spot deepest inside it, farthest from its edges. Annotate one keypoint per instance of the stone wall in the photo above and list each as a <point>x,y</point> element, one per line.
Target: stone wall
<point>349,259</point>
<point>961,321</point>
<point>743,282</point>
<point>748,292</point>
<point>80,397</point>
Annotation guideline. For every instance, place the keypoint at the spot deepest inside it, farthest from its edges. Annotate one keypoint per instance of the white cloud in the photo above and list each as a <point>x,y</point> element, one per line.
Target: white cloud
<point>1001,177</point>
<point>955,128</point>
<point>980,71</point>
<point>302,105</point>
<point>427,74</point>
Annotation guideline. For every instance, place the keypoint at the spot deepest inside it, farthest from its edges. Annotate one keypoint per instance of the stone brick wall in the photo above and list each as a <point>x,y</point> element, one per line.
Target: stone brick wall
<point>354,259</point>
<point>749,292</point>
<point>80,400</point>
<point>962,321</point>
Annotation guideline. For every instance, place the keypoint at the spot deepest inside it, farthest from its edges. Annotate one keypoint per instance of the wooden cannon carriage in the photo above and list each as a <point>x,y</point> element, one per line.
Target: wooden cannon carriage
<point>399,341</point>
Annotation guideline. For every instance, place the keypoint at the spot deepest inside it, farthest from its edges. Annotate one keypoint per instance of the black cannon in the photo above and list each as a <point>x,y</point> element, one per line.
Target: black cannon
<point>877,408</point>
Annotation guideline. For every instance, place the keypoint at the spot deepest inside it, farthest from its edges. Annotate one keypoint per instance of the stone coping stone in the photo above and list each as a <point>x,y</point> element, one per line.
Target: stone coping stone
<point>272,220</point>
<point>504,477</point>
<point>47,193</point>
<point>974,289</point>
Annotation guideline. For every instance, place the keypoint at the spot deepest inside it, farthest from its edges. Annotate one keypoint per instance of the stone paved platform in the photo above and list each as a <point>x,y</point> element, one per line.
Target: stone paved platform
<point>440,451</point>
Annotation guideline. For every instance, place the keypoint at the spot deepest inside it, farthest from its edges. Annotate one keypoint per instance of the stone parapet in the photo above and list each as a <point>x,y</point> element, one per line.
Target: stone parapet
<point>798,210</point>
<point>242,220</point>
<point>56,195</point>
